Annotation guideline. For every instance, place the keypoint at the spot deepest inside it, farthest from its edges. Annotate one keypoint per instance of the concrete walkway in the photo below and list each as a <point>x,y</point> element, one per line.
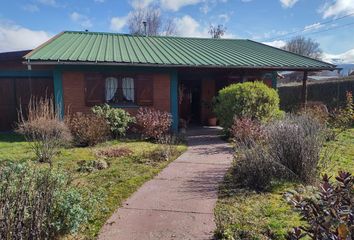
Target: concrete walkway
<point>178,203</point>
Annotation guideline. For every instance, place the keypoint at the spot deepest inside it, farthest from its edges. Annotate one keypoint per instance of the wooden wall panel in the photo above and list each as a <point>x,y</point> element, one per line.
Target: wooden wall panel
<point>74,92</point>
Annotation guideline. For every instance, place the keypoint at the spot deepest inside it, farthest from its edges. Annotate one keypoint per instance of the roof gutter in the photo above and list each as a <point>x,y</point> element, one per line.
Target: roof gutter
<point>177,66</point>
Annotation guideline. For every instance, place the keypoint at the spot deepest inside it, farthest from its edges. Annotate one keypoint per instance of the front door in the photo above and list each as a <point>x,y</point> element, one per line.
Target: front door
<point>190,101</point>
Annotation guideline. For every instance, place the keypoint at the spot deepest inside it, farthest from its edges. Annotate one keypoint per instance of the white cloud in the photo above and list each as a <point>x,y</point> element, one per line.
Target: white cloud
<point>346,57</point>
<point>189,27</point>
<point>229,36</point>
<point>336,8</point>
<point>83,20</point>
<point>288,3</point>
<point>141,3</point>
<point>313,26</point>
<point>48,2</point>
<point>205,8</point>
<point>276,43</point>
<point>175,5</point>
<point>30,8</point>
<point>224,17</point>
<point>117,23</point>
<point>14,37</point>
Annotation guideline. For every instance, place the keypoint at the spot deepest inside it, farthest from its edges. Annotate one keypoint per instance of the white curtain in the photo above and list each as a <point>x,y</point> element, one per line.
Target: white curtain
<point>111,88</point>
<point>128,88</point>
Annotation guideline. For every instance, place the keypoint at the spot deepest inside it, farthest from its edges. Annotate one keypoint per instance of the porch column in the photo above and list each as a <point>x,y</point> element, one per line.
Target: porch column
<point>174,100</point>
<point>58,92</point>
<point>304,89</point>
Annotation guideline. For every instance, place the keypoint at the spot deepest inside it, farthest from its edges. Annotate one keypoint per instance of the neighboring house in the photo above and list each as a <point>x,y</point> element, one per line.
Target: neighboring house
<point>175,74</point>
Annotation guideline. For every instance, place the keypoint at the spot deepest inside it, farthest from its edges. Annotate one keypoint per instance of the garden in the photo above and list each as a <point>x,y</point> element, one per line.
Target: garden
<point>292,172</point>
<point>63,179</point>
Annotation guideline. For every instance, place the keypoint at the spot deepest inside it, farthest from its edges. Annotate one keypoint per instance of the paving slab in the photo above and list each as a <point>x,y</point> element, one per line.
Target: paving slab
<point>179,202</point>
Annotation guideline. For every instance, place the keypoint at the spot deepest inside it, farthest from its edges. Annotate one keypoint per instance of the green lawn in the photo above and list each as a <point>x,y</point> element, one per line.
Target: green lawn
<point>267,215</point>
<point>116,183</point>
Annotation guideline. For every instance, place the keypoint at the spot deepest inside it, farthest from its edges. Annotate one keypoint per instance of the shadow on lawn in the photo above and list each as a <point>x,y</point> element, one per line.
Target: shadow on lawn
<point>11,137</point>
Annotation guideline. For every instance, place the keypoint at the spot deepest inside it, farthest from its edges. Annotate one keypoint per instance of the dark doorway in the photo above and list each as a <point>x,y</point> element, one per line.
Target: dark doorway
<point>190,100</point>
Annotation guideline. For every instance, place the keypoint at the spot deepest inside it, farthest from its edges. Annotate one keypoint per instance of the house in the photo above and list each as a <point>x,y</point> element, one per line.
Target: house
<point>175,74</point>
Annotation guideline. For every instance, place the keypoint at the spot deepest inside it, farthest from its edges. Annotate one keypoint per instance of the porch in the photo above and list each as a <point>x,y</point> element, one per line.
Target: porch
<point>198,87</point>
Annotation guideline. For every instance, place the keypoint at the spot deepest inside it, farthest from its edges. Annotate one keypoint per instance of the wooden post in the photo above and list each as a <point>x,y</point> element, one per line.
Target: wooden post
<point>304,89</point>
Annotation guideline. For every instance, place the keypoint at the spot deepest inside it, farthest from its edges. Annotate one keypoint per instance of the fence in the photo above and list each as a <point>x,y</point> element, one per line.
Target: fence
<point>330,92</point>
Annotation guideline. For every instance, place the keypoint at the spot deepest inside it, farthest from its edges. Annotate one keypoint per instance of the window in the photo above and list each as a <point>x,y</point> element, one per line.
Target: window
<point>120,90</point>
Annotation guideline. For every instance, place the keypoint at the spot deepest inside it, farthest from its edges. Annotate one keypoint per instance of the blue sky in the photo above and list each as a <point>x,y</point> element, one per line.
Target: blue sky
<point>26,23</point>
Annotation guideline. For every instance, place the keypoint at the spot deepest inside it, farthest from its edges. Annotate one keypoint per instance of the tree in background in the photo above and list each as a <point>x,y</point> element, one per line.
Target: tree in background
<point>155,24</point>
<point>217,31</point>
<point>304,46</point>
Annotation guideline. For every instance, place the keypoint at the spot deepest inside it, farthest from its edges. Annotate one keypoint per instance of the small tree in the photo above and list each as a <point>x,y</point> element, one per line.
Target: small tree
<point>304,46</point>
<point>217,31</point>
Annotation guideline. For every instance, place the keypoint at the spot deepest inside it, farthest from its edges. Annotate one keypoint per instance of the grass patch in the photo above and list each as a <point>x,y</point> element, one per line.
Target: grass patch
<point>243,214</point>
<point>116,183</point>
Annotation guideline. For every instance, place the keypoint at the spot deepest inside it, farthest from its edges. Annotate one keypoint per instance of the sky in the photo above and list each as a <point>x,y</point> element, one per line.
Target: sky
<point>24,24</point>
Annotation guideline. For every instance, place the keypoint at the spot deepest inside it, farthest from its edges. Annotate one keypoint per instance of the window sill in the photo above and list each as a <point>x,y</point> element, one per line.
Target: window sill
<point>117,105</point>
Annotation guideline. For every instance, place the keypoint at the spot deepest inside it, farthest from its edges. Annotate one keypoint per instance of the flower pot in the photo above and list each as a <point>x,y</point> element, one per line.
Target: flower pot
<point>212,121</point>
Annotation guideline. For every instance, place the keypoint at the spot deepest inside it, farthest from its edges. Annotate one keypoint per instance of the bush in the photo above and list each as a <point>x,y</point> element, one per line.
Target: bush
<point>117,119</point>
<point>317,111</point>
<point>343,118</point>
<point>153,123</point>
<point>291,151</point>
<point>44,129</point>
<point>40,204</point>
<point>88,129</point>
<point>330,213</point>
<point>295,142</point>
<point>253,168</point>
<point>254,100</point>
<point>245,130</point>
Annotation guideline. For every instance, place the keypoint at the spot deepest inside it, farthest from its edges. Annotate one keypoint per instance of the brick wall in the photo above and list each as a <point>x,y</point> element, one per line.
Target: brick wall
<point>74,92</point>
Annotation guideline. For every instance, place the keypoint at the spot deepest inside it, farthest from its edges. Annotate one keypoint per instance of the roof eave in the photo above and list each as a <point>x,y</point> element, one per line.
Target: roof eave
<point>274,68</point>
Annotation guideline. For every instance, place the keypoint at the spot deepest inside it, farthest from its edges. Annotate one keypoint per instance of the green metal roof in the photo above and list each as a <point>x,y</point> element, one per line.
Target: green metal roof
<point>112,48</point>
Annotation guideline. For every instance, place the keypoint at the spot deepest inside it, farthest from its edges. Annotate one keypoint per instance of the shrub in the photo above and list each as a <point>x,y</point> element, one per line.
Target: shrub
<point>254,100</point>
<point>117,119</point>
<point>153,123</point>
<point>43,128</point>
<point>343,118</point>
<point>88,129</point>
<point>246,130</point>
<point>253,168</point>
<point>316,110</point>
<point>295,142</point>
<point>330,214</point>
<point>40,204</point>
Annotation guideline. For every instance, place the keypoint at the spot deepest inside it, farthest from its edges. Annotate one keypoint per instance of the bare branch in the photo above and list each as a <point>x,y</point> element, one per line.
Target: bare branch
<point>155,24</point>
<point>217,31</point>
<point>304,46</point>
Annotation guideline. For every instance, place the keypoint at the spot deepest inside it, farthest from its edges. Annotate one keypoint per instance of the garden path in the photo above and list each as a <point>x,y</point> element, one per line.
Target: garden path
<point>179,202</point>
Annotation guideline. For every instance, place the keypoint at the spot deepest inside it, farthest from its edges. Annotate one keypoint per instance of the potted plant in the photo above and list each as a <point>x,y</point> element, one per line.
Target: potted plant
<point>212,120</point>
